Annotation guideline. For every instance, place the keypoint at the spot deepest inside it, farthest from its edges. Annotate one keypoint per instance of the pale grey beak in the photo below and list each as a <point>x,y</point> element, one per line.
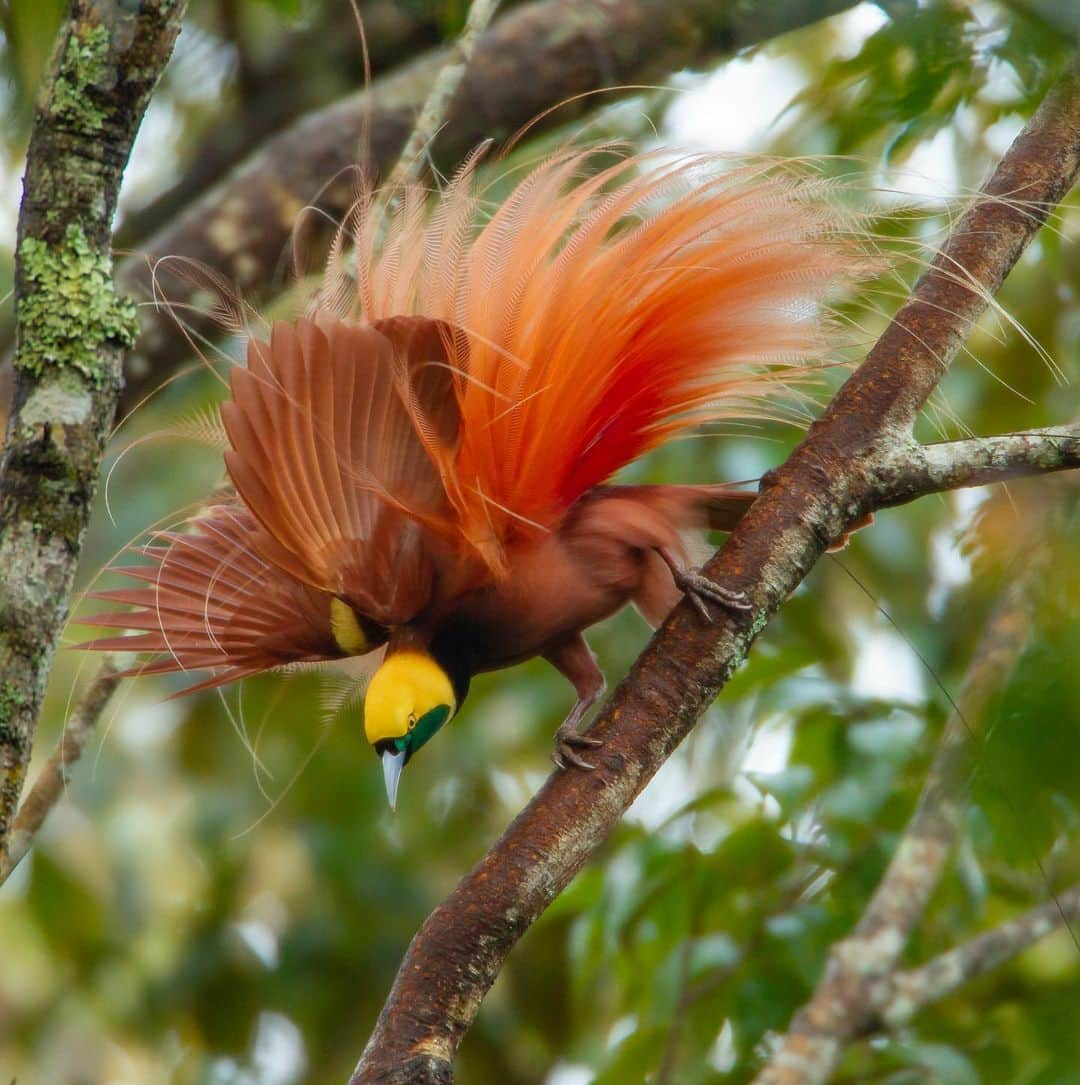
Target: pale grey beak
<point>392,764</point>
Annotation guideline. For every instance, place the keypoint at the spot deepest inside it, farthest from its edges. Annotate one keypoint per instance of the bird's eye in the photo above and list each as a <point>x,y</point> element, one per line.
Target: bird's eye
<point>412,721</point>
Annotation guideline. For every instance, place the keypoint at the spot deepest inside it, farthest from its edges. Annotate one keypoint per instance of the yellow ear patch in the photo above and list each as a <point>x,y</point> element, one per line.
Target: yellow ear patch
<point>404,689</point>
<point>345,626</point>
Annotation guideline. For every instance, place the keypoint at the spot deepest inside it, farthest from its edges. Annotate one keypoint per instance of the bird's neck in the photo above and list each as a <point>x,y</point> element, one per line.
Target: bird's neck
<point>409,638</point>
<point>447,655</point>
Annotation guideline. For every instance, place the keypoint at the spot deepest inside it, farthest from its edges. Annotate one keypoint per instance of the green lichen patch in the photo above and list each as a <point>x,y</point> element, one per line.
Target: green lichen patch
<point>85,64</point>
<point>11,701</point>
<point>69,309</point>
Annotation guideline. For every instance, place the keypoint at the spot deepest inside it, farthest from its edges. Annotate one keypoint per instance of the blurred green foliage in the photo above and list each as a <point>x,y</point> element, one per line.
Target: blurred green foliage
<point>223,898</point>
<point>909,78</point>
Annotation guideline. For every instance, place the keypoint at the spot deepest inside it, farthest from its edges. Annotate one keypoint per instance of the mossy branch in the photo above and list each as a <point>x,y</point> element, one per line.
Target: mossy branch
<point>71,333</point>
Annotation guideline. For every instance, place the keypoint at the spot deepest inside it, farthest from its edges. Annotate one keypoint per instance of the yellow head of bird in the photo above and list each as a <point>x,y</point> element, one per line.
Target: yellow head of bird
<point>409,698</point>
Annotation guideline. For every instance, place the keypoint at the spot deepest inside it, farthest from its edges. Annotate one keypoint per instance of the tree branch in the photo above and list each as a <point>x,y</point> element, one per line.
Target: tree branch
<point>537,56</point>
<point>50,783</point>
<point>286,87</point>
<point>976,461</point>
<point>827,483</point>
<point>71,331</point>
<point>914,990</point>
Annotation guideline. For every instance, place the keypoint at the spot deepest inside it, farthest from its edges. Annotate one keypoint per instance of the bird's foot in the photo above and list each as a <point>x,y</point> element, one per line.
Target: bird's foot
<point>698,588</point>
<point>567,742</point>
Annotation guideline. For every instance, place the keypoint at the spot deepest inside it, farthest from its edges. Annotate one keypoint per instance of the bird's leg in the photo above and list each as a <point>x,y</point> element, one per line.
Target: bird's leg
<point>572,659</point>
<point>697,587</point>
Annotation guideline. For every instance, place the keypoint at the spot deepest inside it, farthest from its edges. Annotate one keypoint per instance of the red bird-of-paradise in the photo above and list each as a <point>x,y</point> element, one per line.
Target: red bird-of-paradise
<point>421,464</point>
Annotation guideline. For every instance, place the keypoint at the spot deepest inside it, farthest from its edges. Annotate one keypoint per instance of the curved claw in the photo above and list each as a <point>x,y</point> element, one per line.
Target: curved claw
<point>697,587</point>
<point>566,740</point>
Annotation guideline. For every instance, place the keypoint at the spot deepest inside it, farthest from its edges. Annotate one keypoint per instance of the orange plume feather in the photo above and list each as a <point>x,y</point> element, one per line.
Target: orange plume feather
<point>597,313</point>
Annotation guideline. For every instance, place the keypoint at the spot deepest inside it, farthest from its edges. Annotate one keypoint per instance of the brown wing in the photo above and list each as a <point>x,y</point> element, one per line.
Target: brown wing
<point>722,507</point>
<point>211,602</point>
<point>676,517</point>
<point>339,432</point>
<point>643,519</point>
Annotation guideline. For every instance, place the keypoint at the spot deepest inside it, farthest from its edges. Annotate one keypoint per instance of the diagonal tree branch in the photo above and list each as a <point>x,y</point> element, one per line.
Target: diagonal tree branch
<point>71,331</point>
<point>830,480</point>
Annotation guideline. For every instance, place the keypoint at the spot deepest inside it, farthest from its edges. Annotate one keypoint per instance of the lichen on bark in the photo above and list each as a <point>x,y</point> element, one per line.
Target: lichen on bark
<point>11,700</point>
<point>71,331</point>
<point>71,309</point>
<point>85,64</point>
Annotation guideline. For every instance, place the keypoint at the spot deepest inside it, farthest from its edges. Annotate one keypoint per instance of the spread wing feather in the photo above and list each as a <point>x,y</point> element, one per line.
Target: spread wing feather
<point>489,374</point>
<point>338,431</point>
<point>209,601</point>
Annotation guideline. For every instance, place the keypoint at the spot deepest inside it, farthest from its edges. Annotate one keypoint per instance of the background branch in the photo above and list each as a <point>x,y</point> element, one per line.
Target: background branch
<point>50,782</point>
<point>71,331</point>
<point>914,990</point>
<point>857,974</point>
<point>826,483</point>
<point>313,66</point>
<point>433,113</point>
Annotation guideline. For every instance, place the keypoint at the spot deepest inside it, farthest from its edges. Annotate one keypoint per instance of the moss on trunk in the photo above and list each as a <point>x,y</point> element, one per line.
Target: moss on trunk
<point>71,332</point>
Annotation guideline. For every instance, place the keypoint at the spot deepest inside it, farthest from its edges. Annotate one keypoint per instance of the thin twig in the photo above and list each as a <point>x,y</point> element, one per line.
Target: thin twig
<point>433,114</point>
<point>976,461</point>
<point>918,988</point>
<point>49,785</point>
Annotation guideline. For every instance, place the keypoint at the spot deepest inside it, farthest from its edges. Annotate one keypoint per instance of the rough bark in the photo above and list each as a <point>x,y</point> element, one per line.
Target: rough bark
<point>537,56</point>
<point>830,480</point>
<point>71,332</point>
<point>976,461</point>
